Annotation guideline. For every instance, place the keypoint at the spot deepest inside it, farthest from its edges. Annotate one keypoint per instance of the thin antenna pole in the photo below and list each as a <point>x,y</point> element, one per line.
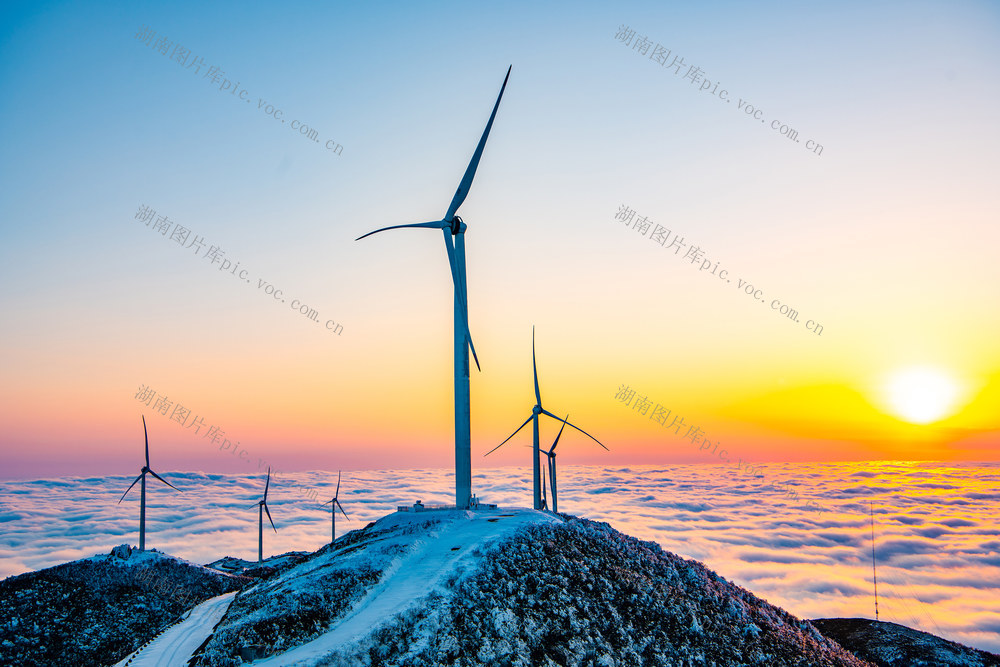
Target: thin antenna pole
<point>871,514</point>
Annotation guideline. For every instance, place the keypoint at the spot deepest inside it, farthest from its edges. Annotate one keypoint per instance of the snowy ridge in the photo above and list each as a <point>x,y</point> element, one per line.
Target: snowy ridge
<point>449,548</point>
<point>548,591</point>
<point>892,645</point>
<point>97,611</point>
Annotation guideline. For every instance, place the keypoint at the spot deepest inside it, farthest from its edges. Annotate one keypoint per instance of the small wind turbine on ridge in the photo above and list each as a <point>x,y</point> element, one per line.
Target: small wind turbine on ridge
<point>551,455</point>
<point>334,504</point>
<point>535,412</point>
<point>142,490</point>
<point>261,506</point>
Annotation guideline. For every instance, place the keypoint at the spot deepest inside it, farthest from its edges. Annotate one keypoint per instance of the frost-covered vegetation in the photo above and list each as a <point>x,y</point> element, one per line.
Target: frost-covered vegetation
<point>97,611</point>
<point>581,593</point>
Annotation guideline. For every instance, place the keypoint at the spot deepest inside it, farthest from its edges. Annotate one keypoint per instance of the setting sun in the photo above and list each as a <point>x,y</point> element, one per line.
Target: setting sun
<point>921,395</point>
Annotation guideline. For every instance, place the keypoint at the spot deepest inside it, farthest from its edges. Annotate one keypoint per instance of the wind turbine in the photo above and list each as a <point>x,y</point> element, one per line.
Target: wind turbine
<point>261,508</point>
<point>142,490</point>
<point>453,229</point>
<point>535,412</point>
<point>551,454</point>
<point>334,504</point>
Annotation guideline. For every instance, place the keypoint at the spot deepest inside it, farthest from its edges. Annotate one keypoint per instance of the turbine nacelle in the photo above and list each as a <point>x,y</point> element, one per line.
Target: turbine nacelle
<point>536,410</point>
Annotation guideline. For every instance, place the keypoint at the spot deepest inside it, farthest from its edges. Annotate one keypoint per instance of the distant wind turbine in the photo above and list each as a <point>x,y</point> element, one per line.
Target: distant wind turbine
<point>551,455</point>
<point>261,508</point>
<point>334,504</point>
<point>535,412</point>
<point>142,490</point>
<point>454,242</point>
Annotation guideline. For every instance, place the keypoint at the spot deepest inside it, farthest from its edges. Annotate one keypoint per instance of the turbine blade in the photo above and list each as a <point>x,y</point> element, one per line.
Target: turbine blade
<point>147,439</point>
<point>342,511</point>
<point>551,451</point>
<point>468,337</point>
<point>256,504</point>
<point>268,483</point>
<point>163,480</point>
<point>129,489</point>
<point>534,368</point>
<point>326,503</point>
<point>269,517</point>
<point>509,436</point>
<point>337,492</point>
<point>546,412</point>
<point>470,172</point>
<point>428,225</point>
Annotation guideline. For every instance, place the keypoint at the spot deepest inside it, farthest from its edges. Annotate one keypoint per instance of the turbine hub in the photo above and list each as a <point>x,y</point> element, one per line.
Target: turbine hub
<point>537,410</point>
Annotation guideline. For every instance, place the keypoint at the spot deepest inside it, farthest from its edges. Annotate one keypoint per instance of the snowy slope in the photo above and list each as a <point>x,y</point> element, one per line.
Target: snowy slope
<point>452,546</point>
<point>177,644</point>
<point>97,610</point>
<point>892,645</point>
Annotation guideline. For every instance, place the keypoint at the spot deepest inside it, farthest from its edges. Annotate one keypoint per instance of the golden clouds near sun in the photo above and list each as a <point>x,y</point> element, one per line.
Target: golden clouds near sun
<point>921,394</point>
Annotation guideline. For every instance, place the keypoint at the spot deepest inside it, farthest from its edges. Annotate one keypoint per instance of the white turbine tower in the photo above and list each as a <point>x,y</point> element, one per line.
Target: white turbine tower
<point>334,504</point>
<point>142,490</point>
<point>535,412</point>
<point>454,242</point>
<point>261,506</point>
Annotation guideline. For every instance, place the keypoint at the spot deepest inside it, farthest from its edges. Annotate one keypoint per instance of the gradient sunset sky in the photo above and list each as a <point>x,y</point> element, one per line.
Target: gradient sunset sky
<point>887,238</point>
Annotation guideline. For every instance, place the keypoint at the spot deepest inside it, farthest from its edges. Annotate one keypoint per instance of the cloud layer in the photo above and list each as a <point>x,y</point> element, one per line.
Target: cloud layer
<point>937,541</point>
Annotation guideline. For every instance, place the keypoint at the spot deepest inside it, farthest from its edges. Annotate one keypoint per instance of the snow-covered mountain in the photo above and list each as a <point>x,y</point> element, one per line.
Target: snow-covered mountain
<point>98,610</point>
<point>893,645</point>
<point>431,587</point>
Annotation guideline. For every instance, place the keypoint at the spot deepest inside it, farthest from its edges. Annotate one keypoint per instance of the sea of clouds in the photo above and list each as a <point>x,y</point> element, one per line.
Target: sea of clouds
<point>796,535</point>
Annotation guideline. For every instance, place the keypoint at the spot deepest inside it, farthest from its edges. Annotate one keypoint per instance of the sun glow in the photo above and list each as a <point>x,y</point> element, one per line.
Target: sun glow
<point>921,395</point>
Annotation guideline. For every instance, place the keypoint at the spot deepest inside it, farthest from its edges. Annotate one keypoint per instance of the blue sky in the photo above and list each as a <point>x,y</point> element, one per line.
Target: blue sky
<point>896,215</point>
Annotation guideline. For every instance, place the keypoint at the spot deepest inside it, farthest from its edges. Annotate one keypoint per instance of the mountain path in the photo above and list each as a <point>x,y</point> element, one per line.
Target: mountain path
<point>175,645</point>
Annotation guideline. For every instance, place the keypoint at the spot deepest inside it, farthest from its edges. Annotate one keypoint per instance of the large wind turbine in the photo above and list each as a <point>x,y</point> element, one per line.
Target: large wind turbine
<point>551,455</point>
<point>142,490</point>
<point>535,412</point>
<point>454,242</point>
<point>261,508</point>
<point>334,504</point>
